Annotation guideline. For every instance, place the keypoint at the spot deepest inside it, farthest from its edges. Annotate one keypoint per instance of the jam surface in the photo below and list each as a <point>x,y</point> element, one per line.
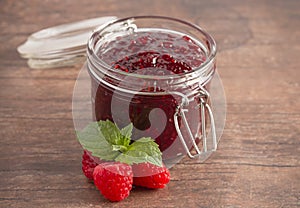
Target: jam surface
<point>153,53</point>
<point>171,52</point>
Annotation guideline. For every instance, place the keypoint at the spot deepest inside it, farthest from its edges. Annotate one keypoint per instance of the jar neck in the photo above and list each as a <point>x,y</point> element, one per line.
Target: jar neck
<point>133,83</point>
<point>140,80</point>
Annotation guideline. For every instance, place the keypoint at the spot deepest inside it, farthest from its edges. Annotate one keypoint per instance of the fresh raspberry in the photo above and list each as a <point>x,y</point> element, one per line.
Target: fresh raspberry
<point>114,180</point>
<point>88,164</point>
<point>150,176</point>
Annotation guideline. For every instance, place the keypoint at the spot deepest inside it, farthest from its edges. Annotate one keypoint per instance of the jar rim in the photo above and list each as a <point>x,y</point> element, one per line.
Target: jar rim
<point>201,69</point>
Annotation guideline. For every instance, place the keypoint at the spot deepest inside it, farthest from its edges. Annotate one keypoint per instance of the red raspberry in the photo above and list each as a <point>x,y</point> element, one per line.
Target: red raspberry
<point>88,164</point>
<point>114,180</point>
<point>150,176</point>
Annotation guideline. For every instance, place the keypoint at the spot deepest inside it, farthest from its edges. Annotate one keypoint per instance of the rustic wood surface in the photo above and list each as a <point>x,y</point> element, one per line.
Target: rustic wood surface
<point>257,164</point>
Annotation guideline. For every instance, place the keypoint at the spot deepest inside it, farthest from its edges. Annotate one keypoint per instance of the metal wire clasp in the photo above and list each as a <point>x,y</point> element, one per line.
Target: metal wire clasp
<point>204,107</point>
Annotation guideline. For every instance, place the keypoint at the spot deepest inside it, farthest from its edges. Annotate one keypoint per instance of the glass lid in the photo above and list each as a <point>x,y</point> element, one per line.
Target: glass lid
<point>62,45</point>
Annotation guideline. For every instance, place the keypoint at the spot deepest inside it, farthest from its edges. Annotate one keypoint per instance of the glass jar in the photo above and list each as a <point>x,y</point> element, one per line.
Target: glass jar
<point>155,72</point>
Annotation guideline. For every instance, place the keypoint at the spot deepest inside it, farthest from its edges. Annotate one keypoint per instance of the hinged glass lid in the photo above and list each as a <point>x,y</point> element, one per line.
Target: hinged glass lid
<point>62,45</point>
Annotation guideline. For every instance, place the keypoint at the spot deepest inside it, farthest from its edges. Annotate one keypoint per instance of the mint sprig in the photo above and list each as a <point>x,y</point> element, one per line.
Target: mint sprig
<point>105,140</point>
<point>142,150</point>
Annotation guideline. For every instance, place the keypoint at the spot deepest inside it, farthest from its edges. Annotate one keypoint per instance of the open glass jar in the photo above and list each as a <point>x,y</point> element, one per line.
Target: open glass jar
<point>155,72</point>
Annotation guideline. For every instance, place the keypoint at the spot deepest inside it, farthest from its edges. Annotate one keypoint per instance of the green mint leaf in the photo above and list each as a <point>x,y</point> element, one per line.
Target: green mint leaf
<point>110,131</point>
<point>92,139</point>
<point>127,131</point>
<point>142,150</point>
<point>114,135</point>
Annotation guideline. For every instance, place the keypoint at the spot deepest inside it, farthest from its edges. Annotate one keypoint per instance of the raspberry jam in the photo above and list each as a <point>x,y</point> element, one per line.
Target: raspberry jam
<point>145,75</point>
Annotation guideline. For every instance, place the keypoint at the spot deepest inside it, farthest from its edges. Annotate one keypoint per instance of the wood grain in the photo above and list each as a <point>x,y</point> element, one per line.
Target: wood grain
<point>257,164</point>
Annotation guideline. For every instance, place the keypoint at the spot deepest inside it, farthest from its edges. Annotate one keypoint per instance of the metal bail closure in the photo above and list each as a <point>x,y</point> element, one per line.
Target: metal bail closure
<point>204,107</point>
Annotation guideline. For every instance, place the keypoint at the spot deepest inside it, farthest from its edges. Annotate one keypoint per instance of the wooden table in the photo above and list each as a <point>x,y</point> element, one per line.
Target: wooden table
<point>257,163</point>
